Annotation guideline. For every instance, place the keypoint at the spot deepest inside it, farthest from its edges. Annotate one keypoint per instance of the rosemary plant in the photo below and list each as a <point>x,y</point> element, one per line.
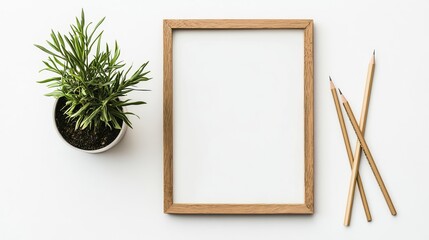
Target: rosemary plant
<point>91,79</point>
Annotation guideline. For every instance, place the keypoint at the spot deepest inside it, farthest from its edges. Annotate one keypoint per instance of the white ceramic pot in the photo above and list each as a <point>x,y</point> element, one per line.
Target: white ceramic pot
<point>103,149</point>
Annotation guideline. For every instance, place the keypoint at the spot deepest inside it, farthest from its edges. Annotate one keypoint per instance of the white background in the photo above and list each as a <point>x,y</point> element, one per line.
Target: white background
<point>49,191</point>
<point>238,137</point>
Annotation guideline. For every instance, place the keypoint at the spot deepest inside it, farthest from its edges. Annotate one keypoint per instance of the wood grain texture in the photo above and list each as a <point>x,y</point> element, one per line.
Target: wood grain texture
<point>173,208</point>
<point>168,117</point>
<point>308,116</point>
<point>237,24</point>
<point>239,209</point>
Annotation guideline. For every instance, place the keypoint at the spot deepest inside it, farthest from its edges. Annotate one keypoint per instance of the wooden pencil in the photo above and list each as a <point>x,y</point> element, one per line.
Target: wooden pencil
<point>364,114</point>
<point>365,104</point>
<point>349,149</point>
<point>355,169</point>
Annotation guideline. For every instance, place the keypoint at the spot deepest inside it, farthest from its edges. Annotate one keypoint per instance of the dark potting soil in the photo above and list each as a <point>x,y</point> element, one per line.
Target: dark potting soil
<point>87,139</point>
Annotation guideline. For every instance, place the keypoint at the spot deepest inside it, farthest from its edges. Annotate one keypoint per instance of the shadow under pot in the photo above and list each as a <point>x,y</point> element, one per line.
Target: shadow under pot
<point>87,140</point>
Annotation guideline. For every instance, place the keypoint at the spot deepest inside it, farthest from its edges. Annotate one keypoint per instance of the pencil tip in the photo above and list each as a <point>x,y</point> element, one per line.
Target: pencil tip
<point>373,53</point>
<point>340,91</point>
<point>331,83</point>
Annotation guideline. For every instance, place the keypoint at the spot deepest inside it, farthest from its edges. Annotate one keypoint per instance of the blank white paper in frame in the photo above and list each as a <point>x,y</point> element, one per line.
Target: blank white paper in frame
<point>238,116</point>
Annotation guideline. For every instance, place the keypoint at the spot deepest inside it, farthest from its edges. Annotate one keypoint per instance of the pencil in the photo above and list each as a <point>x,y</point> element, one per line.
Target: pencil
<point>364,114</point>
<point>355,169</point>
<point>349,149</point>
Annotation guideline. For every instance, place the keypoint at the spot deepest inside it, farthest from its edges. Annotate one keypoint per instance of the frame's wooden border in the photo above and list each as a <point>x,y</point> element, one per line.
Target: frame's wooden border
<point>174,208</point>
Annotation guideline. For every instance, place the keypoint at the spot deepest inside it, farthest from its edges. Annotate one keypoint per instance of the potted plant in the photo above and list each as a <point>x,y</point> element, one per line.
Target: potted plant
<point>90,85</point>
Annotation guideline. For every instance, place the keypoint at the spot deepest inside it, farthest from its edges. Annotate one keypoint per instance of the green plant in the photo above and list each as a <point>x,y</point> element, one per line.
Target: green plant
<point>92,83</point>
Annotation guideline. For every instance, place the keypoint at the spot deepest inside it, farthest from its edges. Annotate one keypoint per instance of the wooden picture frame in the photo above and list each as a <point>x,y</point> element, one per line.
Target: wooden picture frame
<point>170,206</point>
